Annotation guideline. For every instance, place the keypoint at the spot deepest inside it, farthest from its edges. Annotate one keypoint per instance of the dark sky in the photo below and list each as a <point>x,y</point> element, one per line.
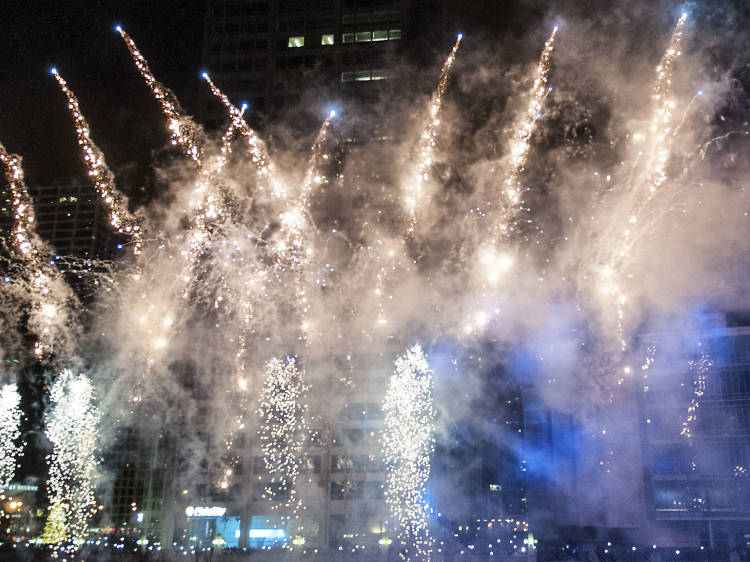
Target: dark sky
<point>78,38</point>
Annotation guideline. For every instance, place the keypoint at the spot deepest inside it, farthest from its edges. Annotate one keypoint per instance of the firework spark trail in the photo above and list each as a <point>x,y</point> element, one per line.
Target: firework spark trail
<point>25,239</point>
<point>240,395</point>
<point>227,139</point>
<point>183,131</point>
<point>414,189</point>
<point>244,304</point>
<point>286,253</point>
<point>408,442</point>
<point>104,181</point>
<point>45,289</point>
<point>640,191</point>
<point>649,359</point>
<point>519,150</point>
<point>388,259</point>
<point>10,433</point>
<point>661,120</point>
<point>205,212</point>
<point>700,369</point>
<point>297,244</point>
<point>283,430</point>
<point>71,426</point>
<point>311,177</point>
<point>256,148</point>
<point>291,251</point>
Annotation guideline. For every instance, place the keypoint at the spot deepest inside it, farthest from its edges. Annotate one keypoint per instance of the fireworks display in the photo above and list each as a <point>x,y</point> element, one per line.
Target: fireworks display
<point>38,287</point>
<point>700,369</point>
<point>414,191</point>
<point>183,131</point>
<point>519,151</point>
<point>71,427</point>
<point>283,432</point>
<point>10,433</point>
<point>640,189</point>
<point>335,252</point>
<point>25,240</point>
<point>104,181</point>
<point>408,442</point>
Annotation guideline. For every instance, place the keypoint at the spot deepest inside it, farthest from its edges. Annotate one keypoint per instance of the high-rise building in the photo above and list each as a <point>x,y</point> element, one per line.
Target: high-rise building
<point>274,54</point>
<point>478,484</point>
<point>694,410</point>
<point>72,220</point>
<point>341,485</point>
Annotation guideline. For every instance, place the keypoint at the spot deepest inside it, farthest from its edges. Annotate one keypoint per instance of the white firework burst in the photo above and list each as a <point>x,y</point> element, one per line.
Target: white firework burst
<point>408,443</point>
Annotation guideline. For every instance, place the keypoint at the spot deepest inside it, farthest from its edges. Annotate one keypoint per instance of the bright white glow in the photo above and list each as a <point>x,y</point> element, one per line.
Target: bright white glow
<point>72,428</point>
<point>10,433</point>
<point>205,511</point>
<point>408,443</point>
<point>283,430</point>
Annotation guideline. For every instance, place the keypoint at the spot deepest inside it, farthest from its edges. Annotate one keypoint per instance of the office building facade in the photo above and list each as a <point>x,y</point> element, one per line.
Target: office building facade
<point>72,220</point>
<point>694,415</point>
<point>279,54</point>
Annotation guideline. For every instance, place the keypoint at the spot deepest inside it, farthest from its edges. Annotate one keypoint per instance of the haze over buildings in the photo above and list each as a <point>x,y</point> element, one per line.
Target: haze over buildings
<point>560,226</point>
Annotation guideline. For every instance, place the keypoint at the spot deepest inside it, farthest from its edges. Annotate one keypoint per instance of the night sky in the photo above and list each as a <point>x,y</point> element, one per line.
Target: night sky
<point>78,38</point>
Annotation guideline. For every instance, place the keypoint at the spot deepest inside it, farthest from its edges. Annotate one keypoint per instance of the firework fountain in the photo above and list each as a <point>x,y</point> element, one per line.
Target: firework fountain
<point>71,426</point>
<point>10,420</point>
<point>407,447</point>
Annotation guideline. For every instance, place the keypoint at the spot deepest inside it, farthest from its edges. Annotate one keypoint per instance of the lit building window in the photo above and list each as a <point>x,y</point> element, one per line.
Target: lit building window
<point>368,36</point>
<point>365,76</point>
<point>327,40</point>
<point>296,42</point>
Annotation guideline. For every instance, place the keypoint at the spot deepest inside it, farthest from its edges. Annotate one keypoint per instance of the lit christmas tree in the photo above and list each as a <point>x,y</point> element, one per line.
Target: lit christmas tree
<point>55,530</point>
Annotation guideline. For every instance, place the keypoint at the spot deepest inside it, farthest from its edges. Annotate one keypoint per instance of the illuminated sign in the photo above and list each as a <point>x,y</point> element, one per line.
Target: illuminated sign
<point>205,511</point>
<point>21,488</point>
<point>267,534</point>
